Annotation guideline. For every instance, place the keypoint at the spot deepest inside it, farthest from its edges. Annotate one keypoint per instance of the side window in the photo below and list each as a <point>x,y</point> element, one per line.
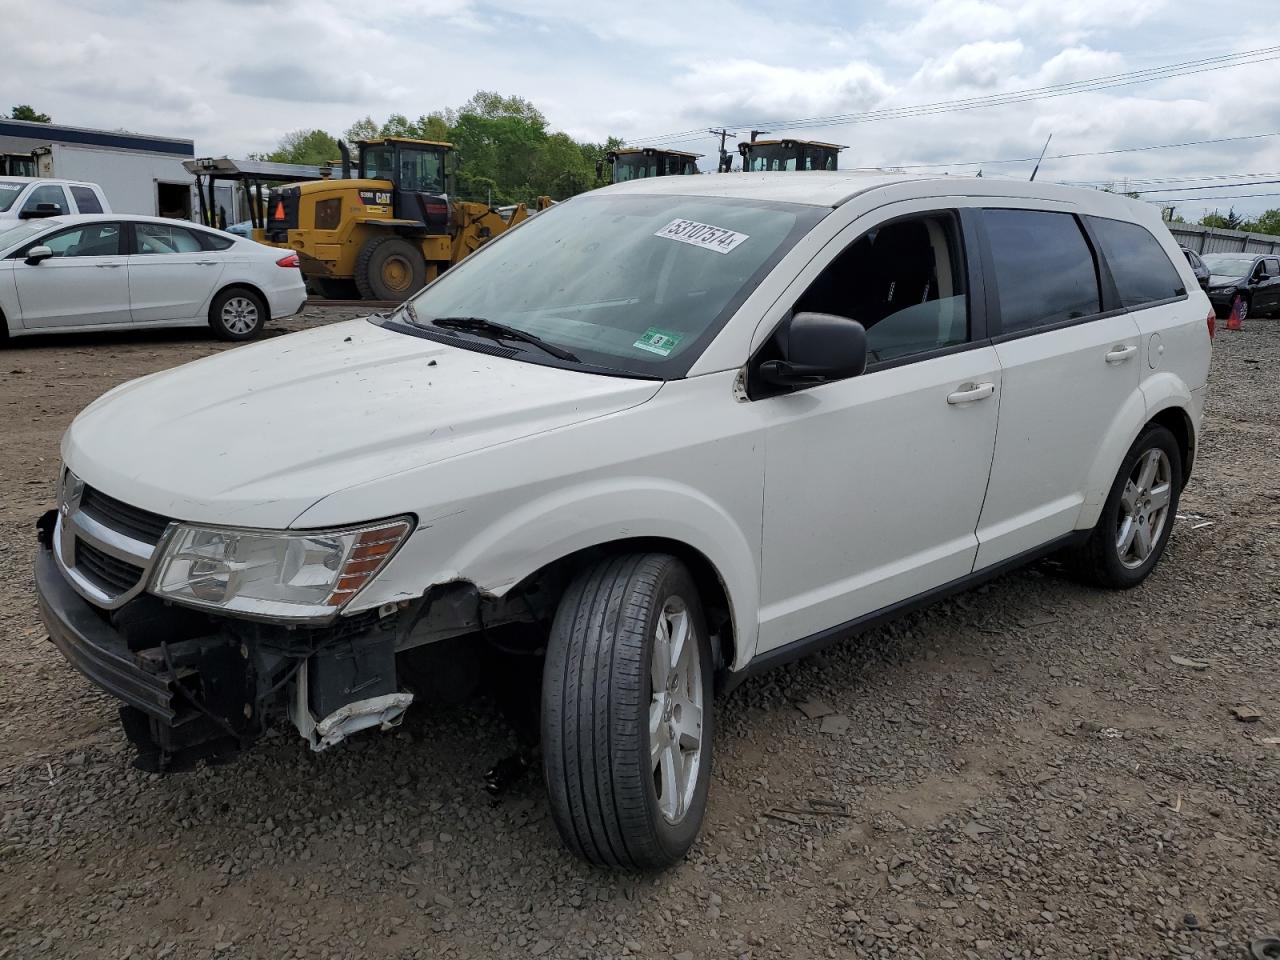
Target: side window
<point>161,238</point>
<point>86,200</point>
<point>90,240</point>
<point>904,281</point>
<point>212,241</point>
<point>1273,267</point>
<point>1138,263</point>
<point>47,193</point>
<point>1044,268</point>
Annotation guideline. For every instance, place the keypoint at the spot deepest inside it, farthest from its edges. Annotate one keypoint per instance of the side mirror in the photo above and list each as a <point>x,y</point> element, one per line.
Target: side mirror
<point>38,255</point>
<point>42,210</point>
<point>821,347</point>
<point>1262,278</point>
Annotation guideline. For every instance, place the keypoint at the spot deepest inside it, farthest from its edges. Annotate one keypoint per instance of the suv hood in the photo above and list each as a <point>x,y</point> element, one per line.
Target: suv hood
<point>255,435</point>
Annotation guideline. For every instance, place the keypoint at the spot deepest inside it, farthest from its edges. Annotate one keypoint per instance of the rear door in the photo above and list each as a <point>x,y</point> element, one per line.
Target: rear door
<point>171,275</point>
<point>1070,360</point>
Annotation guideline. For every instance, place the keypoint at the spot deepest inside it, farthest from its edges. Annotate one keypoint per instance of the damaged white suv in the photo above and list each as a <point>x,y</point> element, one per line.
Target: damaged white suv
<point>660,436</point>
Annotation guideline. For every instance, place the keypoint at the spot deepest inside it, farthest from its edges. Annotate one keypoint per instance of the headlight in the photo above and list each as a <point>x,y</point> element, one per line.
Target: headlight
<point>277,574</point>
<point>1229,289</point>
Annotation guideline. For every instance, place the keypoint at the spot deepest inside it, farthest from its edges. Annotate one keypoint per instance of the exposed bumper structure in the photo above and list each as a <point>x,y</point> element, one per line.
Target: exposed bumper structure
<point>98,651</point>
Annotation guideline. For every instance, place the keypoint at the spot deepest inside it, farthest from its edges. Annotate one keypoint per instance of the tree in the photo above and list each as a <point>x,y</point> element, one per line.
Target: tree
<point>364,129</point>
<point>24,111</point>
<point>305,146</point>
<point>1228,221</point>
<point>1268,222</point>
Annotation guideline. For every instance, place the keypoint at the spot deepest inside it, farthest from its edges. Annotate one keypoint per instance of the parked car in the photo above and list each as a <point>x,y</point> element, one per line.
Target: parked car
<point>662,436</point>
<point>68,274</point>
<point>1197,267</point>
<point>1254,278</point>
<point>29,198</point>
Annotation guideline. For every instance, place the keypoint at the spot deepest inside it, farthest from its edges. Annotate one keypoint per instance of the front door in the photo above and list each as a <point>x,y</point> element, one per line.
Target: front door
<point>1069,367</point>
<point>171,275</point>
<point>85,282</point>
<point>874,484</point>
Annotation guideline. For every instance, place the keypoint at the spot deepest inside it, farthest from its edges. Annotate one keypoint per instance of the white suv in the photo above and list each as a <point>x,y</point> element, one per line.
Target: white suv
<point>665,434</point>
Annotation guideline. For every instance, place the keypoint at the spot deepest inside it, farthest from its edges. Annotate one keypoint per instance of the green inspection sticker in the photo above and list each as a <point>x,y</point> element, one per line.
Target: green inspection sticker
<point>661,342</point>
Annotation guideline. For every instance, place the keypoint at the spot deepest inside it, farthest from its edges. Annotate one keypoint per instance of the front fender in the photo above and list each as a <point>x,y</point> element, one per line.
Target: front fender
<point>510,547</point>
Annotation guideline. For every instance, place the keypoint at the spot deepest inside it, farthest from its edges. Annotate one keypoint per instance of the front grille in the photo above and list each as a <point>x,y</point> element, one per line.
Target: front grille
<point>105,571</point>
<point>132,521</point>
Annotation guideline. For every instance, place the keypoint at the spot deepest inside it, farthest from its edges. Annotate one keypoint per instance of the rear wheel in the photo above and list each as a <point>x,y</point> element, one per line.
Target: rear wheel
<point>390,268</point>
<point>237,314</point>
<point>627,713</point>
<point>1138,515</point>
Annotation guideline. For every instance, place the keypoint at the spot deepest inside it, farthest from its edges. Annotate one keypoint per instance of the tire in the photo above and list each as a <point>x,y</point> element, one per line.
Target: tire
<point>1116,555</point>
<point>598,705</point>
<point>390,268</point>
<point>237,313</point>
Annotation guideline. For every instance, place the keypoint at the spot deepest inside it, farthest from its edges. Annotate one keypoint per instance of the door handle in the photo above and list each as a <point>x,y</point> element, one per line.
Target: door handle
<point>206,263</point>
<point>1121,353</point>
<point>970,392</point>
<point>108,266</point>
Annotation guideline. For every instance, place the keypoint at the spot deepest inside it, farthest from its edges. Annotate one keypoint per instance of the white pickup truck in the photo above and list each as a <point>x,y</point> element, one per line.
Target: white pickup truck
<point>26,198</point>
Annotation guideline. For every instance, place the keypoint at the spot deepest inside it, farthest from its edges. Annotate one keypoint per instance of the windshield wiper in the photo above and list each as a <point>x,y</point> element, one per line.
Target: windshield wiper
<point>500,331</point>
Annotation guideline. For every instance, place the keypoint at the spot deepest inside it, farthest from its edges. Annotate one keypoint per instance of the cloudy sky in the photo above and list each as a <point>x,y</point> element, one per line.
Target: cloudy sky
<point>235,75</point>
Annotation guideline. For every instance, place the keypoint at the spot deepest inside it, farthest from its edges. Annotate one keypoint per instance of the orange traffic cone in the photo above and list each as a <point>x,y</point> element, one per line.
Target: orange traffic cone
<point>1233,321</point>
<point>278,213</point>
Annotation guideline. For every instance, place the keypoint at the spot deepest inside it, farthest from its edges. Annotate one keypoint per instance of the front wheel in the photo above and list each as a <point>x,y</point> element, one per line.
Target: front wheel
<point>1137,517</point>
<point>237,314</point>
<point>627,713</point>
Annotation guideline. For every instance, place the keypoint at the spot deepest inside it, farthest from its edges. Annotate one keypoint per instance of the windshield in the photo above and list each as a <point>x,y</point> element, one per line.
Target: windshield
<point>14,232</point>
<point>631,284</point>
<point>9,190</point>
<point>634,166</point>
<point>771,158</point>
<point>1226,265</point>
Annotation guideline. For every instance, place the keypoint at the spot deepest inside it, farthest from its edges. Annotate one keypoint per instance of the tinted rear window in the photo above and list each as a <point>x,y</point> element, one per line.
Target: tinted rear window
<point>1138,263</point>
<point>213,241</point>
<point>86,200</point>
<point>1044,268</point>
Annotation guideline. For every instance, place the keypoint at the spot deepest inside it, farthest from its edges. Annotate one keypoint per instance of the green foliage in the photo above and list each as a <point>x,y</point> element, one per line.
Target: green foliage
<point>1228,221</point>
<point>305,146</point>
<point>1268,222</point>
<point>25,111</point>
<point>503,150</point>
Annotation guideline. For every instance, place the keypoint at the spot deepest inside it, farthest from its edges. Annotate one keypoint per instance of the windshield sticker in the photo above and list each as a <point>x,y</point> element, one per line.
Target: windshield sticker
<point>661,342</point>
<point>702,235</point>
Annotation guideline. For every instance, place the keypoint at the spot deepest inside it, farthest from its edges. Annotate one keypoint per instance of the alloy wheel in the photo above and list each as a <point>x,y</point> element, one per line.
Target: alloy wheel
<point>675,711</point>
<point>239,315</point>
<point>1144,508</point>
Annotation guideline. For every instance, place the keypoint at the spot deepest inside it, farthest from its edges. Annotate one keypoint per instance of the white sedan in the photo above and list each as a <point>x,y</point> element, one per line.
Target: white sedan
<point>107,271</point>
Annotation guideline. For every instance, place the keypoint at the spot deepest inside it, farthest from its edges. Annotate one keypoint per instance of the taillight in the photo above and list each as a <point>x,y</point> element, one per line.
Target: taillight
<point>290,261</point>
<point>1212,321</point>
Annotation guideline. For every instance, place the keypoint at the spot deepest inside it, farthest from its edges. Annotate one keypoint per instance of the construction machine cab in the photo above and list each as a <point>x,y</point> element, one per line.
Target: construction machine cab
<point>760,155</point>
<point>635,163</point>
<point>418,171</point>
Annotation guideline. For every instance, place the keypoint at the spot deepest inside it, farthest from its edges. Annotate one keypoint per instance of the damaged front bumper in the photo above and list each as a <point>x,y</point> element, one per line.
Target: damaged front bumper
<point>196,686</point>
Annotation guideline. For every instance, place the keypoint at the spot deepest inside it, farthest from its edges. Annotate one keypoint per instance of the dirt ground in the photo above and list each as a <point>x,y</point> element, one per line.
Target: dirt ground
<point>1026,772</point>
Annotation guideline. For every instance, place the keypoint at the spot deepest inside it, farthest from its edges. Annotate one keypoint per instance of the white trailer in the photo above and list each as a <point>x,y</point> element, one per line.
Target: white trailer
<point>138,173</point>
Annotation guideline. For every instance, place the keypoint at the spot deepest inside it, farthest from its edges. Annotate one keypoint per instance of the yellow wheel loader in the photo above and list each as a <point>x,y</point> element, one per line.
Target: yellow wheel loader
<point>392,228</point>
<point>634,163</point>
<point>759,155</point>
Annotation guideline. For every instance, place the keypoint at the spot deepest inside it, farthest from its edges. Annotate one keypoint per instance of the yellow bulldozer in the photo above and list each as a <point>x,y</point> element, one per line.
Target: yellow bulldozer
<point>391,228</point>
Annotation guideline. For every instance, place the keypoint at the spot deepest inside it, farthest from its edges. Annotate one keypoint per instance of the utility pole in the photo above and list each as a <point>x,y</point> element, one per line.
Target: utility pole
<point>726,161</point>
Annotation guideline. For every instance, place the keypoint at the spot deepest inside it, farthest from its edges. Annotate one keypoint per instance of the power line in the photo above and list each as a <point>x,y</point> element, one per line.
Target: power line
<point>1223,186</point>
<point>1228,196</point>
<point>1129,78</point>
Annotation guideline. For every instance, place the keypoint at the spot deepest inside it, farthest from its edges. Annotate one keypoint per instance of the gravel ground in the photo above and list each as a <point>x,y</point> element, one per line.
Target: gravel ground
<point>1023,771</point>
